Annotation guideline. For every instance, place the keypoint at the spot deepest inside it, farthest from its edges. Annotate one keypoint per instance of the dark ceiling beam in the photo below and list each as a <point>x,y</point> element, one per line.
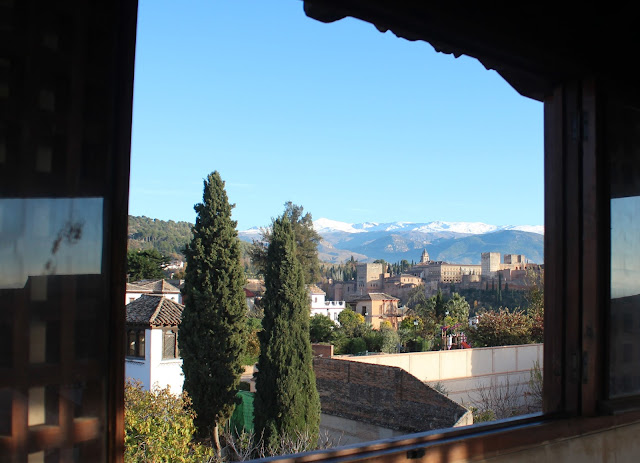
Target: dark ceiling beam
<point>532,45</point>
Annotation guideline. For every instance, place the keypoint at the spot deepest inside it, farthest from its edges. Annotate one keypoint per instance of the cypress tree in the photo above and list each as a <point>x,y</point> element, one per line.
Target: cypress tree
<point>306,239</point>
<point>286,400</point>
<point>212,335</point>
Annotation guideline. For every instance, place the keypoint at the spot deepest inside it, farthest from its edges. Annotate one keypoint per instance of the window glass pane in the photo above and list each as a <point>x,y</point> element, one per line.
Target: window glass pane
<point>141,343</point>
<point>131,343</point>
<point>47,236</point>
<point>623,149</point>
<point>169,345</point>
<point>53,300</point>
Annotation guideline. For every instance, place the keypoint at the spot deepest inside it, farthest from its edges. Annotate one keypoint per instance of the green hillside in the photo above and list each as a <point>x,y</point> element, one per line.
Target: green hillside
<point>168,237</point>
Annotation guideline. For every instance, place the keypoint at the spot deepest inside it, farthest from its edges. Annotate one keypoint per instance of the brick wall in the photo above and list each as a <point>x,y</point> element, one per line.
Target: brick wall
<point>322,350</point>
<point>383,396</point>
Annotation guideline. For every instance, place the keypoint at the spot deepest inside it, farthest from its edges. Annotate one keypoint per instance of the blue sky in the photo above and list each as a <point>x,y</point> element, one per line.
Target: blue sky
<point>350,123</point>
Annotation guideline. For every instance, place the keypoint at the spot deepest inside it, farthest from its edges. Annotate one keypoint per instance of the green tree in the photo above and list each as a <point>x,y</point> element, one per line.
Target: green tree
<point>350,321</point>
<point>167,237</point>
<point>213,332</point>
<point>535,300</point>
<point>286,400</point>
<point>409,329</point>
<point>306,239</point>
<point>146,265</point>
<point>321,328</point>
<point>439,306</point>
<point>159,427</point>
<point>458,309</point>
<point>373,340</point>
<point>357,346</point>
<point>350,269</point>
<point>390,339</point>
<point>417,299</point>
<point>501,328</point>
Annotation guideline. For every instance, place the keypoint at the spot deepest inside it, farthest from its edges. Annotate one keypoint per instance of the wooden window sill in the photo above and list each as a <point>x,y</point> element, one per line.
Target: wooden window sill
<point>480,441</point>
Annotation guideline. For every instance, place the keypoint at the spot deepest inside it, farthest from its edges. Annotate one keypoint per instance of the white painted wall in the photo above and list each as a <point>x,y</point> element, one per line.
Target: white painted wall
<point>175,297</point>
<point>330,309</point>
<point>131,296</point>
<point>135,368</point>
<point>463,372</point>
<point>164,372</point>
<point>154,371</point>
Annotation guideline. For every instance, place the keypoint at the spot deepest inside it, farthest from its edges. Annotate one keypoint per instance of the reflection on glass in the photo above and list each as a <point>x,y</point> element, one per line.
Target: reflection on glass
<point>625,296</point>
<point>625,247</point>
<point>53,312</point>
<point>49,236</point>
<point>623,154</point>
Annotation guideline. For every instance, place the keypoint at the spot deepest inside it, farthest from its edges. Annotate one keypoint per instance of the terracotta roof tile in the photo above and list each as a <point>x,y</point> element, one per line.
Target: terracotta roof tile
<point>376,297</point>
<point>313,289</point>
<point>154,286</point>
<point>155,311</point>
<point>135,287</point>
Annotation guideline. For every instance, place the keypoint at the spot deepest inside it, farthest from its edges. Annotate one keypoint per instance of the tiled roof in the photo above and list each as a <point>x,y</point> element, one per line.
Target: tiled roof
<point>135,287</point>
<point>313,289</point>
<point>376,297</point>
<point>153,286</point>
<point>155,311</point>
<point>255,285</point>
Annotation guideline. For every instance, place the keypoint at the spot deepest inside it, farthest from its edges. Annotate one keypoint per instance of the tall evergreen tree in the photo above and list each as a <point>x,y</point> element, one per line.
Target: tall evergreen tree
<point>306,239</point>
<point>286,400</point>
<point>146,265</point>
<point>212,335</point>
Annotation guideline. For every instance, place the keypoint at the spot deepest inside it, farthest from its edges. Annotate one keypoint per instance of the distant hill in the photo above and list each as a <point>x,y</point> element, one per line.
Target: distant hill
<point>168,237</point>
<point>394,247</point>
<point>456,242</point>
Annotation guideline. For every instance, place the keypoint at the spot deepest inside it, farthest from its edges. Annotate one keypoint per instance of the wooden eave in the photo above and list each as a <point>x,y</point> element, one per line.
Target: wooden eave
<point>531,45</point>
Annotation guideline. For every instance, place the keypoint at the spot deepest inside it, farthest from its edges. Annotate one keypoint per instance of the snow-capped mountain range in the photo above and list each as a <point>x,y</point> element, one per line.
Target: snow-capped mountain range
<point>469,228</point>
<point>459,242</point>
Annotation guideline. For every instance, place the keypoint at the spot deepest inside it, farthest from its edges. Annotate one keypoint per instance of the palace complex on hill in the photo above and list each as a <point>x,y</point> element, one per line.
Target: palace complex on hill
<point>434,275</point>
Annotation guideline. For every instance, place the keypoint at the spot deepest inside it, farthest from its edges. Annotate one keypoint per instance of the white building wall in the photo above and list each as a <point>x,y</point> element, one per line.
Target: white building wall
<point>463,372</point>
<point>317,300</point>
<point>330,309</point>
<point>139,368</point>
<point>131,296</point>
<point>153,370</point>
<point>167,372</point>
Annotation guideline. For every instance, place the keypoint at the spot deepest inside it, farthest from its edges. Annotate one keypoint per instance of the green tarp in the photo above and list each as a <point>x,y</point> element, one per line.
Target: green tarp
<point>242,418</point>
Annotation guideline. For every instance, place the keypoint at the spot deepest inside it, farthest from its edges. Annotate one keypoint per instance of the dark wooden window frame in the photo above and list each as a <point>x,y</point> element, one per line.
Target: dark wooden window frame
<point>139,343</point>
<point>176,352</point>
<point>576,242</point>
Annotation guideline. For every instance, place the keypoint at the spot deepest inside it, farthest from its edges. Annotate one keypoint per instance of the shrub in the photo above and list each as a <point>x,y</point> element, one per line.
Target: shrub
<point>159,427</point>
<point>373,340</point>
<point>357,346</point>
<point>253,348</point>
<point>502,328</point>
<point>321,328</point>
<point>440,387</point>
<point>390,340</point>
